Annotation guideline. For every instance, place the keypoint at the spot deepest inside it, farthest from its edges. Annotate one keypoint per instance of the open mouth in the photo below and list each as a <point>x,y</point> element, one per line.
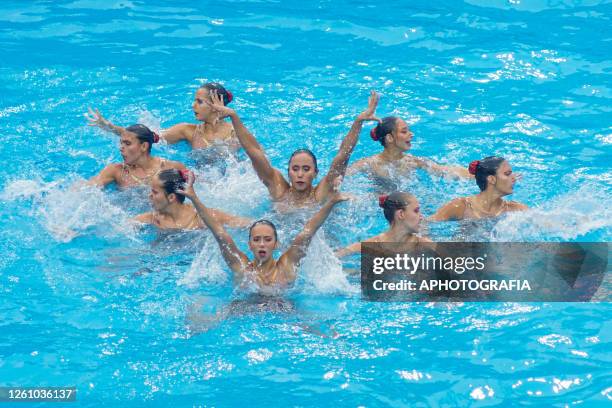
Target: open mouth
<point>261,254</point>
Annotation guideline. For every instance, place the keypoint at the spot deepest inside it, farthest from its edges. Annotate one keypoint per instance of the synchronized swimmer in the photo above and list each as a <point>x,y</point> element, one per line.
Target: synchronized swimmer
<point>139,166</point>
<point>403,213</point>
<point>495,180</point>
<point>170,210</point>
<point>212,130</point>
<point>395,136</point>
<point>171,183</point>
<point>269,275</point>
<point>302,169</point>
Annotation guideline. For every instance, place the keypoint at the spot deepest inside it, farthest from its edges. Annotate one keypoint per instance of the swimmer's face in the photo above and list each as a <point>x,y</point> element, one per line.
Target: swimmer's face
<point>410,216</point>
<point>402,136</point>
<point>157,196</point>
<point>302,171</point>
<point>503,180</point>
<point>262,242</point>
<point>131,148</point>
<point>201,109</point>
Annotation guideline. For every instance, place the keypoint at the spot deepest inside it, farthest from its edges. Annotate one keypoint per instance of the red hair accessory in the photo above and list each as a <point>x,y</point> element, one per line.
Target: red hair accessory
<point>155,137</point>
<point>230,97</point>
<point>381,200</point>
<point>185,174</point>
<point>373,134</point>
<point>473,167</point>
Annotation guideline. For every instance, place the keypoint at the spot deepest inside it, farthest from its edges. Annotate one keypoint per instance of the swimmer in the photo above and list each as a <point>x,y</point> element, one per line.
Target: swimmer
<point>212,130</point>
<point>395,136</point>
<point>170,210</point>
<point>138,167</point>
<point>269,275</point>
<point>495,179</point>
<point>298,191</point>
<point>404,216</point>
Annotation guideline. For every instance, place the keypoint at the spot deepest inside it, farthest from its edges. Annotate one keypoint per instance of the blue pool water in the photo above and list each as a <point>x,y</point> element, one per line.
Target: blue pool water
<point>88,301</point>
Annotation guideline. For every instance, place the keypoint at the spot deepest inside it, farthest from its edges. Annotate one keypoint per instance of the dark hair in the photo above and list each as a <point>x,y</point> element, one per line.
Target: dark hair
<point>308,152</point>
<point>383,129</point>
<point>215,86</point>
<point>264,222</point>
<point>172,180</point>
<point>393,202</point>
<point>481,169</point>
<point>144,134</point>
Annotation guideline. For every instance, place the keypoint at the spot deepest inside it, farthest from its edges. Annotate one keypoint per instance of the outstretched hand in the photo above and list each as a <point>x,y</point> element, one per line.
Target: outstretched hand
<point>95,118</point>
<point>217,105</point>
<point>188,191</point>
<point>369,114</point>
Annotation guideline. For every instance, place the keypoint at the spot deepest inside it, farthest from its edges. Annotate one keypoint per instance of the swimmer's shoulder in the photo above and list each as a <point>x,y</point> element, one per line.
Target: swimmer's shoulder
<point>144,218</point>
<point>453,210</point>
<point>181,131</point>
<point>171,164</point>
<point>516,206</point>
<point>227,131</point>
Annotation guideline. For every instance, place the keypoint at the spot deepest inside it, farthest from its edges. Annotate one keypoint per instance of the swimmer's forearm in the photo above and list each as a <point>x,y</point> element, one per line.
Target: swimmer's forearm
<point>246,138</point>
<point>206,215</point>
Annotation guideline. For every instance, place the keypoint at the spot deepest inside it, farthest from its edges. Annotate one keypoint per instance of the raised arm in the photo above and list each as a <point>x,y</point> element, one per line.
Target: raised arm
<point>235,258</point>
<point>299,246</point>
<point>340,162</point>
<point>96,119</point>
<point>271,177</point>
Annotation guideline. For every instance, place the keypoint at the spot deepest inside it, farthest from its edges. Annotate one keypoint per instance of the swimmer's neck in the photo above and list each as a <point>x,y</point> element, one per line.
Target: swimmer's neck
<point>489,200</point>
<point>295,196</point>
<point>173,211</point>
<point>145,162</point>
<point>399,233</point>
<point>267,265</point>
<point>212,124</point>
<point>392,153</point>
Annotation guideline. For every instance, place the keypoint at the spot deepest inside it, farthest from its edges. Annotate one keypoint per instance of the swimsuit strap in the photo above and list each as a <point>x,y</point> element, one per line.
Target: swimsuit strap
<point>468,204</point>
<point>200,128</point>
<point>125,172</point>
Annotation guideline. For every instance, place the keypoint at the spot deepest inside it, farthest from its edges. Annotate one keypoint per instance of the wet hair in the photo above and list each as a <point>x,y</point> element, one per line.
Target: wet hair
<point>383,129</point>
<point>144,134</point>
<point>393,202</point>
<point>215,86</point>
<point>308,152</point>
<point>263,222</point>
<point>172,180</point>
<point>481,169</point>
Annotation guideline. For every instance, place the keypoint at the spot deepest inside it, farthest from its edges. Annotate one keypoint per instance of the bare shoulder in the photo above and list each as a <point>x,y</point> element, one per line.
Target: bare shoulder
<point>180,131</point>
<point>227,130</point>
<point>171,164</point>
<point>145,218</point>
<point>453,210</point>
<point>516,206</point>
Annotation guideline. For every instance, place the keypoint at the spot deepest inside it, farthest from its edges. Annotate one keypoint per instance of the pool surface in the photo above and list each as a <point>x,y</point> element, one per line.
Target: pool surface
<point>90,301</point>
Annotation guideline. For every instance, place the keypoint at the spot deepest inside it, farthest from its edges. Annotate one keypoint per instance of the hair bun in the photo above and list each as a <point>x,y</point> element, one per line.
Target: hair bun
<point>381,200</point>
<point>473,166</point>
<point>155,137</point>
<point>185,174</point>
<point>230,97</point>
<point>373,134</point>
